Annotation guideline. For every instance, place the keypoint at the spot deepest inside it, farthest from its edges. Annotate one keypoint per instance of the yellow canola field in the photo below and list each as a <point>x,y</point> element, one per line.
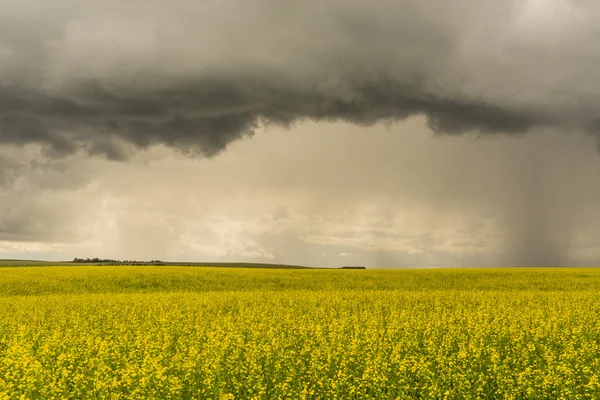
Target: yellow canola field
<point>215,333</point>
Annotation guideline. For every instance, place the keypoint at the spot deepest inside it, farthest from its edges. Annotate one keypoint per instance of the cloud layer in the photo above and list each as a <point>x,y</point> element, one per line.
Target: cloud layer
<point>111,78</point>
<point>318,194</point>
<point>107,77</point>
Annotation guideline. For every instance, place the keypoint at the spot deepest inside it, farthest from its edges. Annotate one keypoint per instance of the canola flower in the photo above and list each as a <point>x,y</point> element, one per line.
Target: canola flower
<point>213,333</point>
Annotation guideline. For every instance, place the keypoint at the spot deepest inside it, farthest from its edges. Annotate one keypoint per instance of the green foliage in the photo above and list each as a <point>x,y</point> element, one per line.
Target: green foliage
<point>168,332</point>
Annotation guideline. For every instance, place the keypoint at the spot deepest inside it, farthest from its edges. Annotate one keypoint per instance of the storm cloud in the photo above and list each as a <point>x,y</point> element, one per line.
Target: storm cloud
<point>107,78</point>
<point>341,97</point>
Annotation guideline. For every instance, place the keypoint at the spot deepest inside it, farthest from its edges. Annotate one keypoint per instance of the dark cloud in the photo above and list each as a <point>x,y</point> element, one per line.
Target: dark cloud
<point>197,76</point>
<point>205,121</point>
<point>110,78</point>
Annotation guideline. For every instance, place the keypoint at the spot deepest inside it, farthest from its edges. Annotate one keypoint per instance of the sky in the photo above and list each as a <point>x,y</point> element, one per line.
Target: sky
<point>390,134</point>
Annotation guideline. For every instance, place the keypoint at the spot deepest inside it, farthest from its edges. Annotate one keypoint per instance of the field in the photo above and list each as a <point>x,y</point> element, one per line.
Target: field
<point>217,333</point>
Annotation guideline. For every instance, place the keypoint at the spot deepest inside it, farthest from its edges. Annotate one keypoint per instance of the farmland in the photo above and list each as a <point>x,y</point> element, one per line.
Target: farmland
<point>191,332</point>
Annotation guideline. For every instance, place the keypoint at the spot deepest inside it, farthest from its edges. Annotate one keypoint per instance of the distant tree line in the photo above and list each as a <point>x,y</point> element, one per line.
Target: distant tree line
<point>108,261</point>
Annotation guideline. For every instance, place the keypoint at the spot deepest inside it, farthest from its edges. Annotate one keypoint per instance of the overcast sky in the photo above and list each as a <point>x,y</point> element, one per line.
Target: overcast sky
<point>332,132</point>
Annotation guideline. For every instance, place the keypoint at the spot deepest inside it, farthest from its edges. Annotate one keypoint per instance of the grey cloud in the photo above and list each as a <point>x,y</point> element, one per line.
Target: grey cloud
<point>390,196</point>
<point>196,76</point>
<point>109,78</point>
<point>36,196</point>
<point>37,219</point>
